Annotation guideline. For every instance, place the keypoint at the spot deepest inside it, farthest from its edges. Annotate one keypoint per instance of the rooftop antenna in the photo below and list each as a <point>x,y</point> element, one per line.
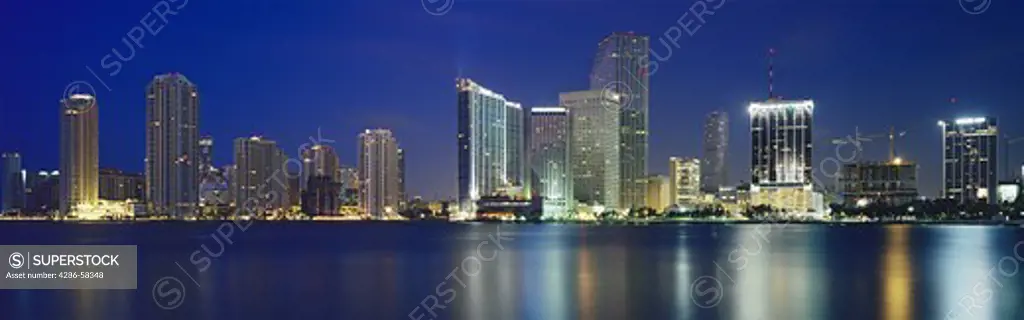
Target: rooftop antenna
<point>771,73</point>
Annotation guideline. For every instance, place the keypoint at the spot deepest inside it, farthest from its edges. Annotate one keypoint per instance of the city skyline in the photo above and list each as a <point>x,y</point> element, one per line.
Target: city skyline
<point>838,88</point>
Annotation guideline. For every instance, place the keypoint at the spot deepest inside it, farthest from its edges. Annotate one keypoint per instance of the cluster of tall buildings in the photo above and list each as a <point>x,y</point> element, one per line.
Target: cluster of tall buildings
<point>591,149</point>
<point>180,179</point>
<point>589,152</point>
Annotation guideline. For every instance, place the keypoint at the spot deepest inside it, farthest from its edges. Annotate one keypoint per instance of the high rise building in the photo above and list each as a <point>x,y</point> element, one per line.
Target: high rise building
<point>79,154</point>
<point>319,160</point>
<point>205,160</point>
<point>781,149</point>
<point>378,173</point>
<point>402,196</point>
<point>594,146</point>
<point>714,170</point>
<point>42,192</point>
<point>349,193</point>
<point>490,143</point>
<point>260,183</point>
<point>621,66</point>
<point>172,146</point>
<point>970,154</point>
<point>321,196</point>
<point>658,195</point>
<point>550,164</point>
<point>117,185</point>
<point>684,181</point>
<point>12,183</point>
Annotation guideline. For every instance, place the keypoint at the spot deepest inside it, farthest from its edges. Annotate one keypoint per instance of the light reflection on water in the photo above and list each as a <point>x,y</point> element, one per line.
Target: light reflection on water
<point>369,271</point>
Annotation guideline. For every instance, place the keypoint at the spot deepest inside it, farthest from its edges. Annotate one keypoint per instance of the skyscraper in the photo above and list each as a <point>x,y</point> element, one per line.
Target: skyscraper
<point>378,173</point>
<point>970,153</point>
<point>550,164</point>
<point>172,146</point>
<point>79,153</point>
<point>12,182</point>
<point>594,146</point>
<point>402,196</point>
<point>319,160</point>
<point>781,149</point>
<point>490,146</point>
<point>684,181</point>
<point>205,160</point>
<point>714,170</point>
<point>260,182</point>
<point>621,66</point>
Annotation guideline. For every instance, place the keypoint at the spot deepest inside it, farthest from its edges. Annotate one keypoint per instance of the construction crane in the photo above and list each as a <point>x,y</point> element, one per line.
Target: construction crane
<point>858,138</point>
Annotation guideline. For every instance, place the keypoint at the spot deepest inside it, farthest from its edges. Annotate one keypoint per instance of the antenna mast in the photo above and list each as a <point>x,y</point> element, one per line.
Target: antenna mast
<point>771,73</point>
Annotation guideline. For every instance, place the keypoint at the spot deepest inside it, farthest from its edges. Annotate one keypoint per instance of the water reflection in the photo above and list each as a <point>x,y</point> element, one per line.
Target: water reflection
<point>897,276</point>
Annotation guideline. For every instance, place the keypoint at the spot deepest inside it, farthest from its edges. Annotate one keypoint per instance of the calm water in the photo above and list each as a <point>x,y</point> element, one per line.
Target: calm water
<point>387,270</point>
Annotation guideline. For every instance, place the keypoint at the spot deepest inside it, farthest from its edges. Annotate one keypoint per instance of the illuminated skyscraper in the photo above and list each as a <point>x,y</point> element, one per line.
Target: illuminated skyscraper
<point>714,170</point>
<point>402,196</point>
<point>490,143</point>
<point>781,154</point>
<point>621,66</point>
<point>378,173</point>
<point>970,154</point>
<point>12,182</point>
<point>172,145</point>
<point>79,152</point>
<point>205,156</point>
<point>658,195</point>
<point>319,160</point>
<point>260,182</point>
<point>550,163</point>
<point>684,181</point>
<point>594,146</point>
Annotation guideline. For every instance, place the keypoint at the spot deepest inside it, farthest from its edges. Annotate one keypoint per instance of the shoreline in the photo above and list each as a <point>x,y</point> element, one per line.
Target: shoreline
<point>1012,223</point>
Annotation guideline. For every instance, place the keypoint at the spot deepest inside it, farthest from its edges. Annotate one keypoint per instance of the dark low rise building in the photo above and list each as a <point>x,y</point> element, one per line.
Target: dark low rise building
<point>891,183</point>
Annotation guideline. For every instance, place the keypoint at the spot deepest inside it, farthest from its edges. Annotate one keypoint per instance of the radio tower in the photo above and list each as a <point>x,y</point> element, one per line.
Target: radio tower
<point>771,73</point>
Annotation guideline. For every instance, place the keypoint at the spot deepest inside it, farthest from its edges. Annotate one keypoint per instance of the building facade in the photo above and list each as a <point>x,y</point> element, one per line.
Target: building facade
<point>659,196</point>
<point>550,162</point>
<point>378,173</point>
<point>969,162</point>
<point>319,160</point>
<point>79,154</point>
<point>117,185</point>
<point>781,153</point>
<point>42,192</point>
<point>321,196</point>
<point>620,66</point>
<point>891,183</point>
<point>594,146</point>
<point>12,183</point>
<point>684,181</point>
<point>172,146</point>
<point>260,183</point>
<point>489,163</point>
<point>714,169</point>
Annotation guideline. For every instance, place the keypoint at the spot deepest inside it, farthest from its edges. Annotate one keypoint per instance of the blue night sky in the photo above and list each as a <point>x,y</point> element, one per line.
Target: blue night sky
<point>285,68</point>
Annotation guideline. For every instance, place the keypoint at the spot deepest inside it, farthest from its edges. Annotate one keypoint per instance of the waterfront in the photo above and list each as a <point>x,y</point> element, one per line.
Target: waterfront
<point>376,270</point>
